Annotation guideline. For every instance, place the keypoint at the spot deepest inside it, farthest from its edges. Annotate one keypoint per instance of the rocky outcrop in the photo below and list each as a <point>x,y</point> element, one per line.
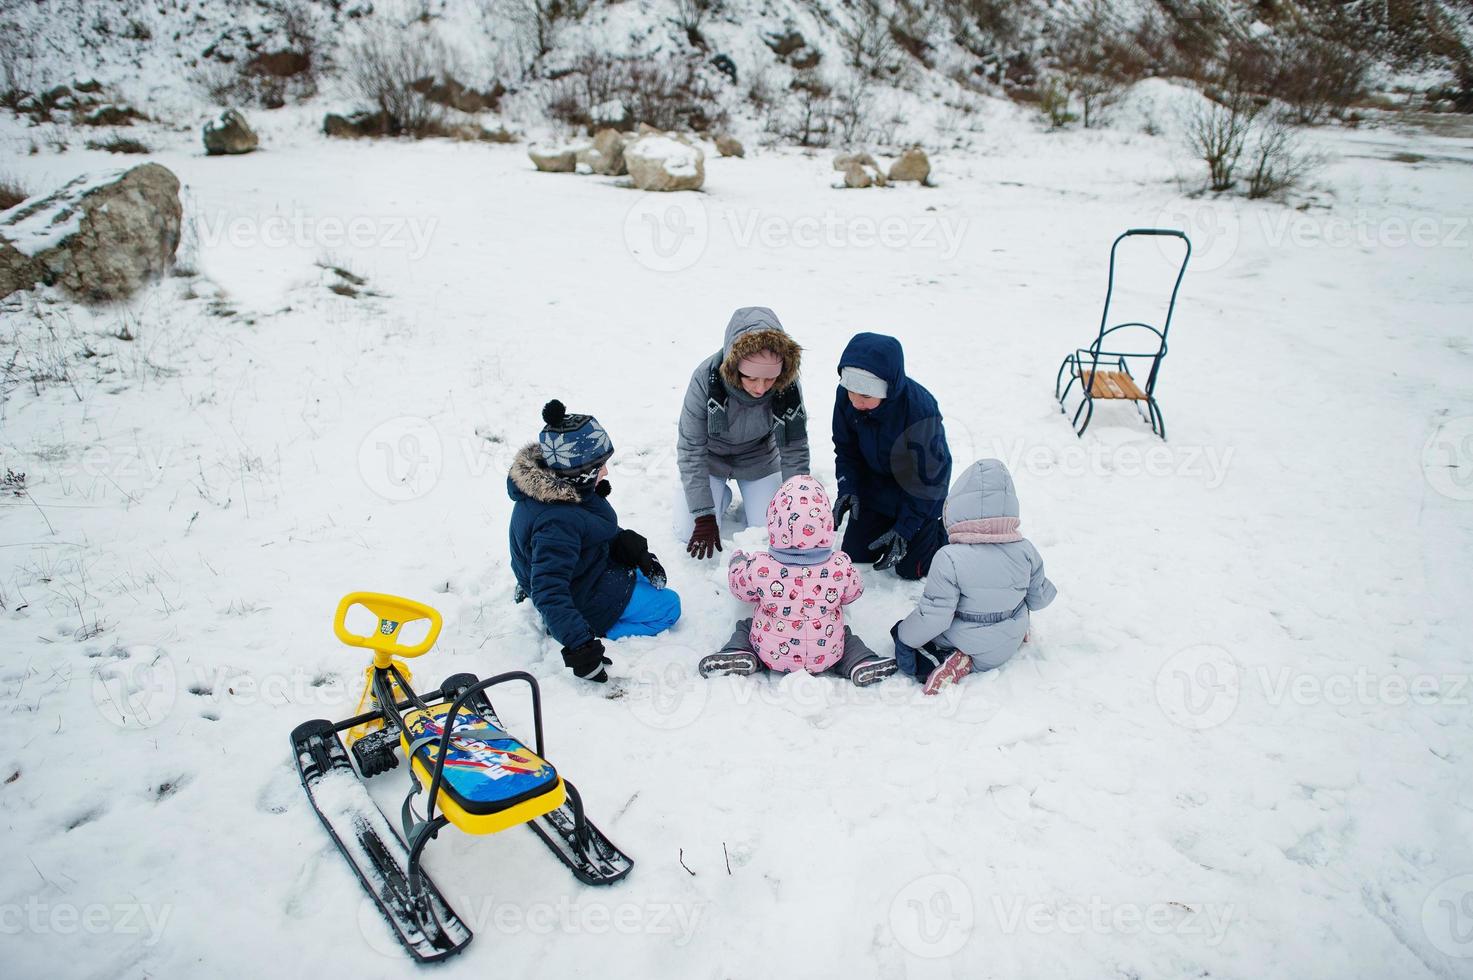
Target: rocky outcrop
<point>100,237</point>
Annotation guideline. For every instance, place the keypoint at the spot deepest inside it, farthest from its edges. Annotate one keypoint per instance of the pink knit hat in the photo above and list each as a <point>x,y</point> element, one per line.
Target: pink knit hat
<point>763,364</point>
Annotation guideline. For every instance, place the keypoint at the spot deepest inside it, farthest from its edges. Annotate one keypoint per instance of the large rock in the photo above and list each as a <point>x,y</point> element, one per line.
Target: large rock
<point>730,146</point>
<point>100,237</point>
<point>605,155</point>
<point>229,134</point>
<point>912,165</point>
<point>665,162</point>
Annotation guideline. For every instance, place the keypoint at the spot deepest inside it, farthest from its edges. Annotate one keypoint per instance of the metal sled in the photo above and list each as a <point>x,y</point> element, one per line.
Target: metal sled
<point>1106,374</point>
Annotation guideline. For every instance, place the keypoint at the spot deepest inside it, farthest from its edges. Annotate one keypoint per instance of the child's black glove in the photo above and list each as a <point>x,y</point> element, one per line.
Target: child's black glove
<point>587,661</point>
<point>630,548</point>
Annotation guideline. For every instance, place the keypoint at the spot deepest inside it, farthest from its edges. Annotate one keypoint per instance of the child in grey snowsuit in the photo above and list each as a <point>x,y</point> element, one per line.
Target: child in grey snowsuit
<point>973,614</point>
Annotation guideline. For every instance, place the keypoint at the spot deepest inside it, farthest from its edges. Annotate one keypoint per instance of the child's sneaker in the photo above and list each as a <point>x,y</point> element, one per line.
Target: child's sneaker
<point>955,667</point>
<point>729,663</point>
<point>873,671</point>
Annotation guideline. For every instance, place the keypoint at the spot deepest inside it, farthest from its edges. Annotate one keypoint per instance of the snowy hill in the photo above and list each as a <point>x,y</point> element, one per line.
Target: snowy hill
<point>1238,744</point>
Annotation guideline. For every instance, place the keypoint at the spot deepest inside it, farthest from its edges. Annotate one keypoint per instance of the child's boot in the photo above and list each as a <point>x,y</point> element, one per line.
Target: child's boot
<point>861,664</point>
<point>873,671</point>
<point>736,658</point>
<point>730,662</point>
<point>953,669</point>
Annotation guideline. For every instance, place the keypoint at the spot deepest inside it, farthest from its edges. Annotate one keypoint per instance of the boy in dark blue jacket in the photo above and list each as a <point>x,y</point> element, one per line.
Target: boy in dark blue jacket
<point>893,464</point>
<point>587,577</point>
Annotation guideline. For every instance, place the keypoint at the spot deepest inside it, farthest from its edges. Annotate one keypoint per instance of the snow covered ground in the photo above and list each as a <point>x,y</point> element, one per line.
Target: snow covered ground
<point>1239,745</point>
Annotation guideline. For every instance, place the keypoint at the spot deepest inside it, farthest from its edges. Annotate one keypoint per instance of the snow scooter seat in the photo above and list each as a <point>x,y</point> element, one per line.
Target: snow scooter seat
<point>491,780</point>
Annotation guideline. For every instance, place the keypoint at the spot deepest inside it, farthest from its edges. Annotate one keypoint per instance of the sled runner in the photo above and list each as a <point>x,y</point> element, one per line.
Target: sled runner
<point>1105,374</point>
<point>465,770</point>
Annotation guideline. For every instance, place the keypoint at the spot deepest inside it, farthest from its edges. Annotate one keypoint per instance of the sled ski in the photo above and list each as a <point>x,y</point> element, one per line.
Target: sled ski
<point>465,769</point>
<point>420,917</point>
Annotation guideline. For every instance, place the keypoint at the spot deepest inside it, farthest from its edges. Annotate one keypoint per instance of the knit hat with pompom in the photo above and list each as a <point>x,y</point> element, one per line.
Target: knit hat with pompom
<point>575,446</point>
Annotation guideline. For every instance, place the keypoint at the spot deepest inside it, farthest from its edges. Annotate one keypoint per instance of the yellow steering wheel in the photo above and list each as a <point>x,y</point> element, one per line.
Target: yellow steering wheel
<point>392,612</point>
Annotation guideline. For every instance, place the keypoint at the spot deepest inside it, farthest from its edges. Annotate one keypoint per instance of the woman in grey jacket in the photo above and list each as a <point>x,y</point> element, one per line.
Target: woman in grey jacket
<point>743,421</point>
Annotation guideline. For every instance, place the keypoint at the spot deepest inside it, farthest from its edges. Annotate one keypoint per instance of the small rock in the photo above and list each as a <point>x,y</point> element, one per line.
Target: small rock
<point>606,154</point>
<point>912,165</point>
<point>729,146</point>
<point>229,134</point>
<point>859,169</point>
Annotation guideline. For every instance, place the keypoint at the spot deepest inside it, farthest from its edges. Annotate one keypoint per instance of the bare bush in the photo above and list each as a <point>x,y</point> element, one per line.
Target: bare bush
<point>1053,102</point>
<point>384,67</point>
<point>983,27</point>
<point>805,116</point>
<point>118,143</point>
<point>19,73</point>
<point>538,21</point>
<point>1319,79</point>
<point>11,192</point>
<point>1278,160</point>
<point>690,15</point>
<point>603,90</point>
<point>868,42</point>
<point>1217,132</point>
<point>1097,59</point>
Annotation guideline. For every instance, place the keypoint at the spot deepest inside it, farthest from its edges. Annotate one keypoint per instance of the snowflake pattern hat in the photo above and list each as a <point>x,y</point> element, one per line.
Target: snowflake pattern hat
<point>575,446</point>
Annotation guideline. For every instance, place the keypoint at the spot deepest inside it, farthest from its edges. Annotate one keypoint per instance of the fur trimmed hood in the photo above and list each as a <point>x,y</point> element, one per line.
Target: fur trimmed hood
<point>752,329</point>
<point>530,475</point>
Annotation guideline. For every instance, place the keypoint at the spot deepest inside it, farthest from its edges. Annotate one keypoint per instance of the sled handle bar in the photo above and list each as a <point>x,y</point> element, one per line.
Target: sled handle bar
<point>1156,231</point>
<point>466,695</point>
<point>393,613</point>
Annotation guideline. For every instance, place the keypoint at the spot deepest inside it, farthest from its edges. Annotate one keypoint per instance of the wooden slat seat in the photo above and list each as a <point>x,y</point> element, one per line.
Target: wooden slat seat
<point>1113,384</point>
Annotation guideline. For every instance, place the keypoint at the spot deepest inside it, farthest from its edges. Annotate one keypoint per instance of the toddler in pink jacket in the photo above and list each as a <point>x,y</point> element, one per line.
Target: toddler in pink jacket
<point>800,586</point>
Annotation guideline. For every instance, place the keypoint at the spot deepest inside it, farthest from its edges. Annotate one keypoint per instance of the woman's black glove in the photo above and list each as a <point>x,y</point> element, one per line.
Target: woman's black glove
<point>630,548</point>
<point>847,503</point>
<point>705,540</point>
<point>891,548</point>
<point>587,661</point>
